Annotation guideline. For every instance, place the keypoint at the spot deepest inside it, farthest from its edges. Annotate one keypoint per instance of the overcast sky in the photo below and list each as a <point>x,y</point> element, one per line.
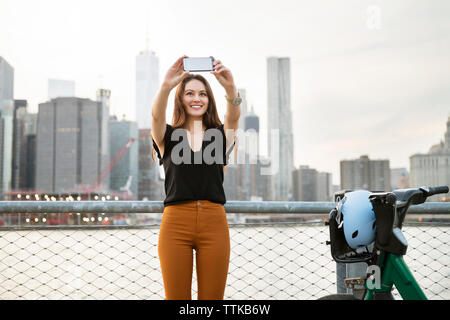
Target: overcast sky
<point>367,77</point>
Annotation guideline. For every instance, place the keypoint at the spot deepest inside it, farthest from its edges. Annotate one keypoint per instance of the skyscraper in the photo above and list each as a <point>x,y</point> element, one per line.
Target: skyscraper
<point>253,173</point>
<point>103,98</point>
<point>279,117</point>
<point>1,156</point>
<point>70,147</point>
<point>363,173</point>
<point>244,180</point>
<point>243,106</point>
<point>147,82</point>
<point>305,184</point>
<point>23,146</point>
<point>6,124</point>
<point>325,186</point>
<point>151,186</point>
<point>432,168</point>
<point>251,122</point>
<point>312,185</point>
<point>236,178</point>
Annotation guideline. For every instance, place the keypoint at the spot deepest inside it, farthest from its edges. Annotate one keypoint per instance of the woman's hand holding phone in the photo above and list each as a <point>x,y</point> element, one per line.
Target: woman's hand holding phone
<point>175,74</point>
<point>224,76</point>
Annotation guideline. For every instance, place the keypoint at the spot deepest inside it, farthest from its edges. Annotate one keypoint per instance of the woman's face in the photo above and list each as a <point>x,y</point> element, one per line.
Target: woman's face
<point>195,98</point>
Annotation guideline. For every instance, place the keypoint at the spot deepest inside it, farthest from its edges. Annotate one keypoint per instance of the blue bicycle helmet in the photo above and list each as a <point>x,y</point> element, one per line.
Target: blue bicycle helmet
<point>356,217</point>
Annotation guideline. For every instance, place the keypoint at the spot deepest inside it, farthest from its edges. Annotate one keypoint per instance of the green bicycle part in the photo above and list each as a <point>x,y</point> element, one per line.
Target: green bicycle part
<point>395,272</point>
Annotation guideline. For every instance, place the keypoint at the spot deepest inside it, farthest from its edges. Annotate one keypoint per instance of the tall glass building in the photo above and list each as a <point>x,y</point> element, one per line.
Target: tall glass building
<point>279,117</point>
<point>72,149</point>
<point>147,82</point>
<point>6,124</point>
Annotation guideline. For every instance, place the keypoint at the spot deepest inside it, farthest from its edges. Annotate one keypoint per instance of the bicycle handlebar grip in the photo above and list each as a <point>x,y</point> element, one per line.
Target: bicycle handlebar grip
<point>437,190</point>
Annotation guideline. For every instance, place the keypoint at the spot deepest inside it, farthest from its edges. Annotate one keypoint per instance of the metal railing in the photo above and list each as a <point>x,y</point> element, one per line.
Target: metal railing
<point>278,255</point>
<point>158,207</point>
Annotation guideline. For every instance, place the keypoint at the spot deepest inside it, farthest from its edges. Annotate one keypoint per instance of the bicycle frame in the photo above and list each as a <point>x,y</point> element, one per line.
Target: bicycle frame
<point>394,271</point>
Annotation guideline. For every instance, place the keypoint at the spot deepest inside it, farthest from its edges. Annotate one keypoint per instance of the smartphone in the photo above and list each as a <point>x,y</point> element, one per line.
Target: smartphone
<point>198,64</point>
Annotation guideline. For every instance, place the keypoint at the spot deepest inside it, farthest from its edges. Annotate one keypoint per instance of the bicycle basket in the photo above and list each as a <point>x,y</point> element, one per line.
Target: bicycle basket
<point>340,250</point>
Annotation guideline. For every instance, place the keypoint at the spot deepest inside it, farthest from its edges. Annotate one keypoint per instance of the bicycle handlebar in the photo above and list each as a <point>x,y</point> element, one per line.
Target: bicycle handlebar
<point>390,209</point>
<point>390,218</point>
<point>430,191</point>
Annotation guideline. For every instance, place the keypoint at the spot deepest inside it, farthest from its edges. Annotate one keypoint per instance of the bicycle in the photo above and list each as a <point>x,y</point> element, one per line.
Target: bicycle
<point>387,250</point>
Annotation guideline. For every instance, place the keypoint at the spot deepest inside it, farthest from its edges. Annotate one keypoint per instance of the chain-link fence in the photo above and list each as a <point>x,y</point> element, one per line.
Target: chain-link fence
<point>268,261</point>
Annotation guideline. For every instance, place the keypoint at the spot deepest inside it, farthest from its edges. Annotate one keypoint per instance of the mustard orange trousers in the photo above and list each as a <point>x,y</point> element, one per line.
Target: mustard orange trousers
<point>201,226</point>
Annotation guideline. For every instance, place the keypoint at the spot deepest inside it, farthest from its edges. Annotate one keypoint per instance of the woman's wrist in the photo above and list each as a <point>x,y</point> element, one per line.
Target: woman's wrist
<point>231,92</point>
<point>165,88</point>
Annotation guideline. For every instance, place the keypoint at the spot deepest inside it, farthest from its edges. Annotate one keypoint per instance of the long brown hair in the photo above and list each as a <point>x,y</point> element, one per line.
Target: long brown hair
<point>210,117</point>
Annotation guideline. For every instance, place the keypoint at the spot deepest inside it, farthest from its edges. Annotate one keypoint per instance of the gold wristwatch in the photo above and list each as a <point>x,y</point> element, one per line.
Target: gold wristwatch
<point>236,101</point>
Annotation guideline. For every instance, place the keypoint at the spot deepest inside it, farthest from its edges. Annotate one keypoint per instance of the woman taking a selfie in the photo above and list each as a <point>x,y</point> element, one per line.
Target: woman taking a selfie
<point>194,217</point>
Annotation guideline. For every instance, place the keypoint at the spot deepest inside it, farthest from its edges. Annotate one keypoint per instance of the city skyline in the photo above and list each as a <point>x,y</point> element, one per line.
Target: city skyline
<point>432,168</point>
<point>358,86</point>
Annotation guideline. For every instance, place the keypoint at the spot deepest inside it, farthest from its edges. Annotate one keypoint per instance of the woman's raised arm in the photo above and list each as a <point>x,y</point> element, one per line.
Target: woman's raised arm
<point>174,76</point>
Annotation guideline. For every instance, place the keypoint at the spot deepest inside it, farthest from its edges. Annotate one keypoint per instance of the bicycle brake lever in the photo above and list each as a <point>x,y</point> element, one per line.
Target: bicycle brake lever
<point>385,197</point>
<point>425,190</point>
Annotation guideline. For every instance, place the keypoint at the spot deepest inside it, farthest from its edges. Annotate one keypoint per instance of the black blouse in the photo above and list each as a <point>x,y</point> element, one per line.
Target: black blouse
<point>194,176</point>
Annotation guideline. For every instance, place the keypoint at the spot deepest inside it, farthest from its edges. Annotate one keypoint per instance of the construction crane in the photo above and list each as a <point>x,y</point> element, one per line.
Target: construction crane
<point>105,172</point>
